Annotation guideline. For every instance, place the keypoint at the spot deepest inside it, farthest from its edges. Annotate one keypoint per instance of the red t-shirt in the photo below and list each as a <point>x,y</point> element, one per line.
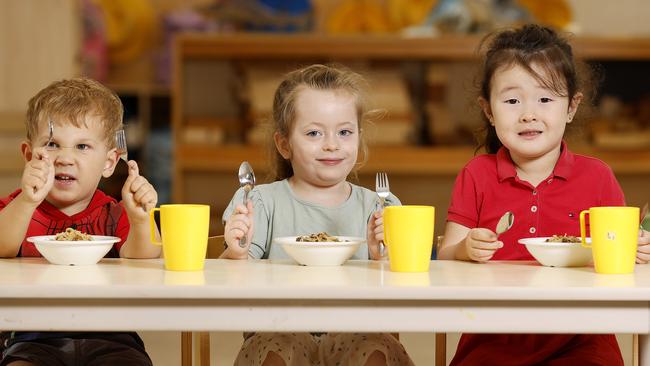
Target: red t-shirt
<point>103,216</point>
<point>486,188</point>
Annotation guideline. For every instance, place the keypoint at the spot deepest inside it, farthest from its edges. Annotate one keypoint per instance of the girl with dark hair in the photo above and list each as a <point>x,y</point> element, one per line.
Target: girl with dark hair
<point>529,94</point>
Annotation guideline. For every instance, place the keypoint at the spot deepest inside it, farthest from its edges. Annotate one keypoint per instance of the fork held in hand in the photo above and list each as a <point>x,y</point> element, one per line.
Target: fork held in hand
<point>120,144</point>
<point>382,188</point>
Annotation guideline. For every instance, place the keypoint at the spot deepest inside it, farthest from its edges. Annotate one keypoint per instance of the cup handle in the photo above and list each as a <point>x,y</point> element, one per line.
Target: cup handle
<point>152,226</point>
<point>583,230</point>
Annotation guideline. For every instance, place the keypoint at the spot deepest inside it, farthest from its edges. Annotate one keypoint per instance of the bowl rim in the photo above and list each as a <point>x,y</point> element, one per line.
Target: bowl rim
<point>291,241</point>
<point>48,240</point>
<point>541,242</point>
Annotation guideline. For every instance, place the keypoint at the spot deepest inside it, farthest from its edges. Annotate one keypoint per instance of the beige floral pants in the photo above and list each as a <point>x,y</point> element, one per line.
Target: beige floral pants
<point>326,349</point>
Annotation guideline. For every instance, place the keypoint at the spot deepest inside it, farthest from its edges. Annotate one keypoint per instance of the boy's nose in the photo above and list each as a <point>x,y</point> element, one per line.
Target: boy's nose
<point>62,156</point>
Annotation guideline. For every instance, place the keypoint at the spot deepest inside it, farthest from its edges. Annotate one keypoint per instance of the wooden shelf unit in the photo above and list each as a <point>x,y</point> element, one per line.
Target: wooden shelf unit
<point>405,161</point>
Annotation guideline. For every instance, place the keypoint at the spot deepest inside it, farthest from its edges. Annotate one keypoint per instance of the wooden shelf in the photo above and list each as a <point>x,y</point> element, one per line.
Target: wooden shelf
<point>309,46</point>
<point>142,89</point>
<point>396,160</point>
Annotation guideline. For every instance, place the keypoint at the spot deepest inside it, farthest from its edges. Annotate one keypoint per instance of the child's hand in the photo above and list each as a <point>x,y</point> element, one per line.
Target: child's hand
<point>38,177</point>
<point>138,195</point>
<point>481,244</point>
<point>375,234</point>
<point>240,223</point>
<point>643,248</point>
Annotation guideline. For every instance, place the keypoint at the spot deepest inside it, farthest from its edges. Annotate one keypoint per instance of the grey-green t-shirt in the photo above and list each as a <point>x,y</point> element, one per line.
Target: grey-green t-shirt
<point>278,212</point>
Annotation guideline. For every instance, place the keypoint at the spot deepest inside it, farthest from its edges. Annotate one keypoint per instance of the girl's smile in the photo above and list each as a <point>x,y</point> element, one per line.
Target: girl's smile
<point>324,140</point>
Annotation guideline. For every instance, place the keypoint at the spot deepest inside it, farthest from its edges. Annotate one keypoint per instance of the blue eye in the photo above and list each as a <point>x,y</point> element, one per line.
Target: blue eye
<point>346,132</point>
<point>313,133</point>
<point>52,145</point>
<point>82,147</point>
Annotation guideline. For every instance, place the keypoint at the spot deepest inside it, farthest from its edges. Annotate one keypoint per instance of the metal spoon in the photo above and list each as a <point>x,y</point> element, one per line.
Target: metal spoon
<point>505,222</point>
<point>246,181</point>
<point>50,129</point>
<point>644,212</point>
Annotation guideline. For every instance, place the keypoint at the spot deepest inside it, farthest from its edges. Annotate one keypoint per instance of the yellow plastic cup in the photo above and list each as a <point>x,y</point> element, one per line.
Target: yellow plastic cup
<point>614,235</point>
<point>184,230</point>
<point>408,234</point>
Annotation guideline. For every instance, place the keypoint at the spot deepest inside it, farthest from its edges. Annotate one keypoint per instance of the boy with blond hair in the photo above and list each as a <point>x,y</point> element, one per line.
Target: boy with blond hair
<point>59,190</point>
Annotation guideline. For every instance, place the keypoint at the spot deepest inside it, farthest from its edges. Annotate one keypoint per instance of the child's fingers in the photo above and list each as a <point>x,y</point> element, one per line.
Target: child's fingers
<point>643,248</point>
<point>484,235</point>
<point>239,229</point>
<point>249,208</point>
<point>141,188</point>
<point>145,197</point>
<point>644,237</point>
<point>133,168</point>
<point>642,258</point>
<point>41,153</point>
<point>138,183</point>
<point>379,219</point>
<point>488,245</point>
<point>241,209</point>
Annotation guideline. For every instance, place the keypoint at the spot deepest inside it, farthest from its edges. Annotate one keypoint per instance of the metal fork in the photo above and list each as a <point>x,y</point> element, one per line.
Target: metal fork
<point>382,188</point>
<point>120,141</point>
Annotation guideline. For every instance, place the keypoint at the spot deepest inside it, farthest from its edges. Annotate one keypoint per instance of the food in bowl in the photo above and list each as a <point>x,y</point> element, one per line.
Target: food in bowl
<point>563,239</point>
<point>80,252</point>
<point>324,253</point>
<point>557,253</point>
<point>71,234</point>
<point>317,238</point>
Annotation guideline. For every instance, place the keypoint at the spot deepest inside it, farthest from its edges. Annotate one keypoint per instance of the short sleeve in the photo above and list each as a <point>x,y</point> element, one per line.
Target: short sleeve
<point>123,227</point>
<point>464,206</point>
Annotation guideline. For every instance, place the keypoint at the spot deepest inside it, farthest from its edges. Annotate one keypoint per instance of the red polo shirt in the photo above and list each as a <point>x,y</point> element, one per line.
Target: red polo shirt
<point>488,186</point>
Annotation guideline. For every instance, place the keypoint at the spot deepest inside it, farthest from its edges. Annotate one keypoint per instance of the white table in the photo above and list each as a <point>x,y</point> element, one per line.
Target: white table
<point>358,296</point>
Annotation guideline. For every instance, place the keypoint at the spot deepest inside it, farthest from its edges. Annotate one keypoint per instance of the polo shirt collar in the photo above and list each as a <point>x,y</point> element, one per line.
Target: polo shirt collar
<point>563,167</point>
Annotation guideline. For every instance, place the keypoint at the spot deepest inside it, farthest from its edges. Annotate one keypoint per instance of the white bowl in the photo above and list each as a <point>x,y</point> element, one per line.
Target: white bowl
<point>558,254</point>
<point>331,253</point>
<point>74,253</point>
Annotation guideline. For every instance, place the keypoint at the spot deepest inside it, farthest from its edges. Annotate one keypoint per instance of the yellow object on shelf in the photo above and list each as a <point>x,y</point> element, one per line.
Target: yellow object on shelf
<point>358,16</point>
<point>131,27</point>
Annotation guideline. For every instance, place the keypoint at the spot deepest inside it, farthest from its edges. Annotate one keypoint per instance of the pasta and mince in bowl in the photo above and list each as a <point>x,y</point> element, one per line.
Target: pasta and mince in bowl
<point>563,239</point>
<point>317,238</point>
<point>71,234</point>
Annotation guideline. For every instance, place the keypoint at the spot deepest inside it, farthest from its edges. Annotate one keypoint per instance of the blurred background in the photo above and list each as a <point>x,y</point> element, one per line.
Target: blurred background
<point>197,77</point>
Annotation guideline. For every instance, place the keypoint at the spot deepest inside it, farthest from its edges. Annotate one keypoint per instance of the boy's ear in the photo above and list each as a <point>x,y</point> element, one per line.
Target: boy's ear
<point>573,106</point>
<point>487,110</point>
<point>282,144</point>
<point>26,150</point>
<point>112,157</point>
